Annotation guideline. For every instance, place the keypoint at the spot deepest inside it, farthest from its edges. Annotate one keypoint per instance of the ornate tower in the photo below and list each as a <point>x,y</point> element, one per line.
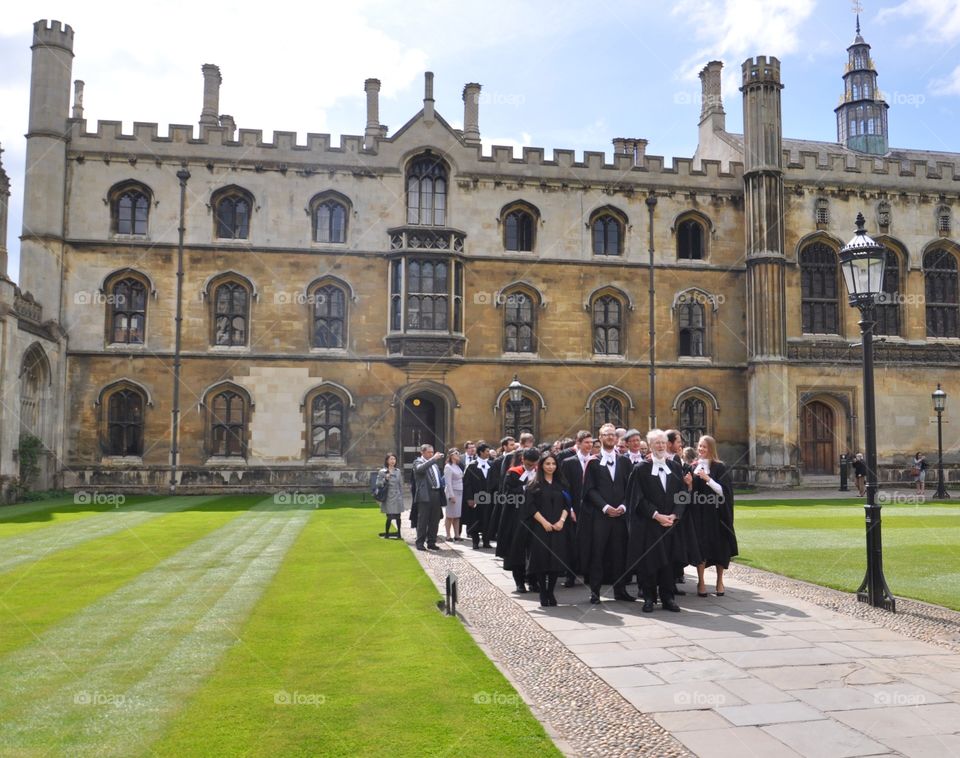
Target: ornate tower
<point>862,113</point>
<point>769,398</point>
<point>45,178</point>
<point>4,205</point>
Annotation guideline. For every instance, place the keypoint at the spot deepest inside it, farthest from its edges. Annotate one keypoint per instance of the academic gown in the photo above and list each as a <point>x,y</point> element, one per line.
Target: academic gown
<point>712,517</point>
<point>652,546</point>
<point>476,487</point>
<point>547,551</point>
<point>512,495</point>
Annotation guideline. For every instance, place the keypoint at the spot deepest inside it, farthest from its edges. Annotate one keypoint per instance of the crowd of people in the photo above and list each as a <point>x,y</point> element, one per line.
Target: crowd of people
<point>616,510</point>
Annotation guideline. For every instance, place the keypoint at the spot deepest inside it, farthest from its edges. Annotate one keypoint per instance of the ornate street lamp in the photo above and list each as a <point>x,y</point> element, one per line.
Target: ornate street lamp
<point>515,389</point>
<point>862,261</point>
<point>939,405</point>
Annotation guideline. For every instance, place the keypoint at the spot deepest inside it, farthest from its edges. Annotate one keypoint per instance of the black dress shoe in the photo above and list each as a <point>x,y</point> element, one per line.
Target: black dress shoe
<point>476,545</point>
<point>624,596</point>
<point>671,605</point>
<point>487,545</point>
<point>570,582</point>
<point>432,547</point>
<point>678,591</point>
<point>521,587</point>
<point>421,547</point>
<point>594,598</point>
<point>647,606</point>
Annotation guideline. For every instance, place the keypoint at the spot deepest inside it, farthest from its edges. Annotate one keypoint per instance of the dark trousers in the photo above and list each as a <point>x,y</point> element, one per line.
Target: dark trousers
<point>429,516</point>
<point>662,579</point>
<point>609,543</point>
<point>481,524</point>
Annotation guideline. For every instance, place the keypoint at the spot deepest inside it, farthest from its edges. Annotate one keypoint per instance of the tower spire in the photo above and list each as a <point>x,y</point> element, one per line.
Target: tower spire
<point>862,113</point>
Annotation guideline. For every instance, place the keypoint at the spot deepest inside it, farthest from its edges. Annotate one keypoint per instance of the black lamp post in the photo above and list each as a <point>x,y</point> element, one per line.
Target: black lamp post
<point>939,405</point>
<point>862,261</point>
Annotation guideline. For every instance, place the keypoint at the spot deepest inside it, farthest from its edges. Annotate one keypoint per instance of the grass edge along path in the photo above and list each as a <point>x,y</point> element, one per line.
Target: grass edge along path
<point>824,543</point>
<point>37,595</point>
<point>345,655</point>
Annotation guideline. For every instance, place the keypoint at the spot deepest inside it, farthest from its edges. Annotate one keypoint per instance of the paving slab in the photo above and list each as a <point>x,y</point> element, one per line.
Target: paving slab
<point>734,742</point>
<point>903,721</point>
<point>825,739</point>
<point>757,714</point>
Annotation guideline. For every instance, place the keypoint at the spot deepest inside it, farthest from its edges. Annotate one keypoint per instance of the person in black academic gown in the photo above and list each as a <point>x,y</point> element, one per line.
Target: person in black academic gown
<point>545,511</point>
<point>712,511</point>
<point>480,484</point>
<point>573,466</point>
<point>660,535</point>
<point>605,495</point>
<point>512,542</point>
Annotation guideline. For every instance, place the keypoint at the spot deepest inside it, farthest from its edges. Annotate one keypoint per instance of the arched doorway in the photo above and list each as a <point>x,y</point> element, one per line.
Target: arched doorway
<point>818,438</point>
<point>423,420</point>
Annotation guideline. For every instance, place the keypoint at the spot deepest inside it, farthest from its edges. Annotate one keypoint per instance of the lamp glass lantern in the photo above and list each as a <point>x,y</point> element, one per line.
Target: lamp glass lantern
<point>862,261</point>
<point>939,399</point>
<point>516,390</point>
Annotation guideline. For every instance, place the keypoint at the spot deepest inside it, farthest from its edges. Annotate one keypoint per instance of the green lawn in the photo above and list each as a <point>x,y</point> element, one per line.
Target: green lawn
<point>234,626</point>
<point>823,541</point>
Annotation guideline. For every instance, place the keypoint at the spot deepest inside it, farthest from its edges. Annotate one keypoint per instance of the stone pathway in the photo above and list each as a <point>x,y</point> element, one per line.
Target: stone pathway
<point>774,668</point>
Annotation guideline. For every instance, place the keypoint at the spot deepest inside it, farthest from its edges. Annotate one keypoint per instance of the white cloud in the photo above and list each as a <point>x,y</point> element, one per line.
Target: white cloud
<point>733,30</point>
<point>948,85</point>
<point>941,20</point>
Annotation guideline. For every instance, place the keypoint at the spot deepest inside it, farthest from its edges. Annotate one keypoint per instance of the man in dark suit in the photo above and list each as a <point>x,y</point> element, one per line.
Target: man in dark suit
<point>573,466</point>
<point>429,497</point>
<point>605,494</point>
<point>480,483</point>
<point>660,536</point>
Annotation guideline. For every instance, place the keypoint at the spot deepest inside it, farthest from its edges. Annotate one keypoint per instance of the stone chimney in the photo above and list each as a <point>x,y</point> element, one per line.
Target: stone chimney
<point>428,96</point>
<point>229,126</point>
<point>711,98</point>
<point>78,100</point>
<point>471,113</point>
<point>634,147</point>
<point>209,116</point>
<point>372,131</point>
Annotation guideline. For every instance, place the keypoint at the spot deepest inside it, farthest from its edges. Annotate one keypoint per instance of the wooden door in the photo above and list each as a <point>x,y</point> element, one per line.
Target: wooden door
<point>817,438</point>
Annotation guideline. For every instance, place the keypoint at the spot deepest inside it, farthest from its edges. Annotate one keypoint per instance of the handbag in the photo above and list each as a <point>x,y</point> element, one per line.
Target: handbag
<point>380,490</point>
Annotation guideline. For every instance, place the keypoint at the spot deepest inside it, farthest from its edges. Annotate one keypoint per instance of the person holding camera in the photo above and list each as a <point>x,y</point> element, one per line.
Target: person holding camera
<point>429,496</point>
<point>390,484</point>
<point>712,512</point>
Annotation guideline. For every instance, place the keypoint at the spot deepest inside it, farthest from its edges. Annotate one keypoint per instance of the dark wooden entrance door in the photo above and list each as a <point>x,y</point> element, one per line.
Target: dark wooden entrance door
<point>817,438</point>
<point>422,422</point>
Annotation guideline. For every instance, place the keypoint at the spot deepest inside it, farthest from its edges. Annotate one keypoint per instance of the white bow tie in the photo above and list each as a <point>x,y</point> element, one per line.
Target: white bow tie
<point>658,467</point>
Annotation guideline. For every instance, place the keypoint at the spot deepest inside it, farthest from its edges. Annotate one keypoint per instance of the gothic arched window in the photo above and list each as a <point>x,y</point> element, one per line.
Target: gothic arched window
<point>130,209</point>
<point>690,240</point>
<point>231,314</point>
<point>888,313</point>
<point>518,230</point>
<point>128,311</point>
<point>330,222</point>
<point>125,422</point>
<point>327,422</point>
<point>228,418</point>
<point>693,419</point>
<point>519,417</point>
<point>231,209</point>
<point>607,325</point>
<point>606,232</point>
<point>692,324</point>
<point>607,410</point>
<point>427,191</point>
<point>519,334</point>
<point>940,284</point>
<point>818,289</point>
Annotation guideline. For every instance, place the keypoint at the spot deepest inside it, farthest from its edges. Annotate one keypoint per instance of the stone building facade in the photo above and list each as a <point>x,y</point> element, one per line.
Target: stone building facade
<point>225,313</point>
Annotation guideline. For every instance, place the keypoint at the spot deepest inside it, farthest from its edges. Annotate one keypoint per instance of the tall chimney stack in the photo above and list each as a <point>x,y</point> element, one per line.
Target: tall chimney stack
<point>372,131</point>
<point>471,113</point>
<point>78,100</point>
<point>210,115</point>
<point>428,96</point>
<point>4,204</point>
<point>711,99</point>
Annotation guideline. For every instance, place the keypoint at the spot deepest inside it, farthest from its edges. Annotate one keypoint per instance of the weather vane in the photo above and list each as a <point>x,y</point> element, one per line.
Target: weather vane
<point>857,8</point>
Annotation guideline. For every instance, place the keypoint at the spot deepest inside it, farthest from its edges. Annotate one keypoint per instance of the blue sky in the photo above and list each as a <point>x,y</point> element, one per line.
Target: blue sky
<point>555,74</point>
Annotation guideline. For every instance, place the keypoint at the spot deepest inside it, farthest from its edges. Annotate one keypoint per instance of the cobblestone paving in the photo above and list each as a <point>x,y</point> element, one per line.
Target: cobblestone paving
<point>776,667</point>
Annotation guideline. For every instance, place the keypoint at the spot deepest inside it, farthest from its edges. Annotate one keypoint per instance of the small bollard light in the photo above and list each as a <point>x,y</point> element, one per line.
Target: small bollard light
<point>451,608</point>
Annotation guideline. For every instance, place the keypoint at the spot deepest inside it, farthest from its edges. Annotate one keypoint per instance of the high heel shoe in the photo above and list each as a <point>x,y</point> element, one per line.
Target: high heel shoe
<point>702,593</point>
<point>720,591</point>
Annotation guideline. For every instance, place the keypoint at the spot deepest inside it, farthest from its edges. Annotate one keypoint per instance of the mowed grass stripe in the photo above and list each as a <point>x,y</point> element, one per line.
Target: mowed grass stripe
<point>347,655</point>
<point>34,596</point>
<point>104,681</point>
<point>827,545</point>
<point>38,544</point>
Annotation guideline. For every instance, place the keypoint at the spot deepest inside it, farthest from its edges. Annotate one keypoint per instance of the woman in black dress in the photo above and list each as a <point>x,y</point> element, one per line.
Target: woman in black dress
<point>712,508</point>
<point>512,541</point>
<point>546,508</point>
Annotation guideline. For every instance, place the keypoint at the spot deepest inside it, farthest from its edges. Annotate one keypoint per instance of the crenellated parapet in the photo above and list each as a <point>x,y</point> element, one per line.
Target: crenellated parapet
<point>53,34</point>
